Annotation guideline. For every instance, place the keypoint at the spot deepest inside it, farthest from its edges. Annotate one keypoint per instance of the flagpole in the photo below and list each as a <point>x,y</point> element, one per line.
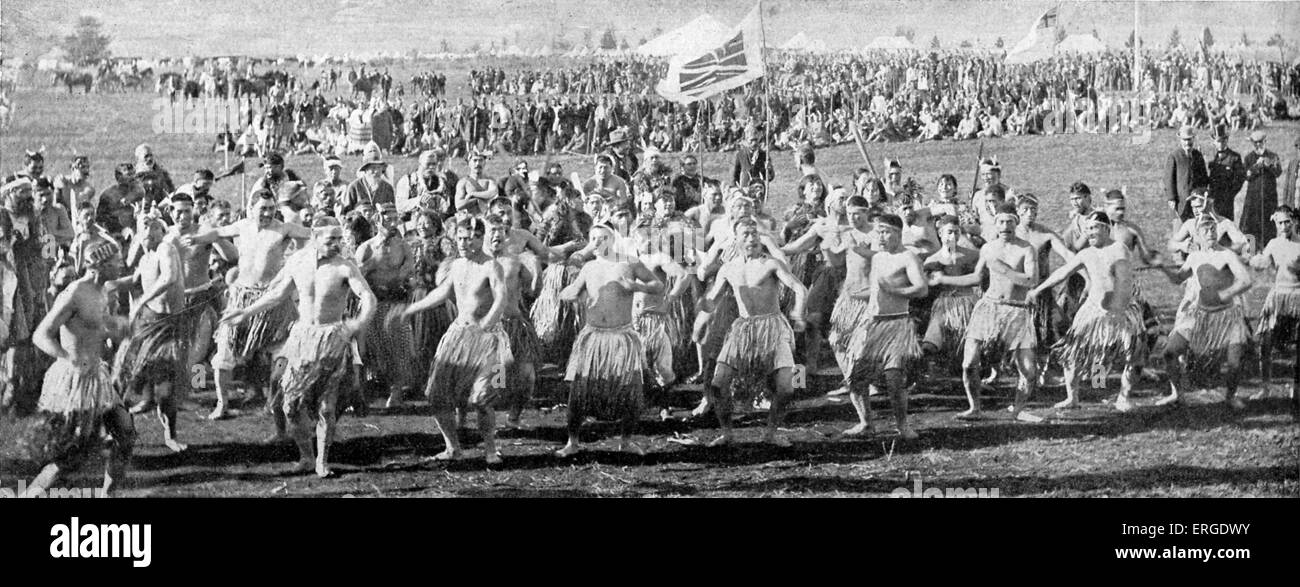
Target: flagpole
<point>1137,56</point>
<point>767,104</point>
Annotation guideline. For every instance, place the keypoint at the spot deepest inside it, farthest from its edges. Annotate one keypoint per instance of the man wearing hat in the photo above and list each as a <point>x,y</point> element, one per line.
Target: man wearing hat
<point>1227,174</point>
<point>751,162</point>
<point>370,187</point>
<point>428,187</point>
<point>274,174</point>
<point>1184,170</point>
<point>620,151</point>
<point>1262,170</point>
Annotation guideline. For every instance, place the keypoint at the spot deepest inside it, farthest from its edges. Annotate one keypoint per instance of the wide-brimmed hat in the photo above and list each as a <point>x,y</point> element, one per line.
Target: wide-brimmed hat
<point>333,161</point>
<point>618,136</point>
<point>372,158</point>
<point>1186,132</point>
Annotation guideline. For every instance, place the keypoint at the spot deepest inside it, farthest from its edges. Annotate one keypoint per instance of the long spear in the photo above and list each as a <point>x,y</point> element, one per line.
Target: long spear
<point>978,160</point>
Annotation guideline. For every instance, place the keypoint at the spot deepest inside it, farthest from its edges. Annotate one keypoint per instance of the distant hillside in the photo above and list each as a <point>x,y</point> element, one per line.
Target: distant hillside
<point>157,28</point>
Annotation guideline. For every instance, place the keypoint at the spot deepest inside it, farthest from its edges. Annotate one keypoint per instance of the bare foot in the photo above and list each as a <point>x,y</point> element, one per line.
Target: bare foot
<point>1068,404</point>
<point>493,457</point>
<point>218,413</point>
<point>569,450</point>
<point>394,402</point>
<point>176,447</point>
<point>1028,417</point>
<point>860,430</point>
<point>971,414</point>
<point>906,433</point>
<point>841,390</point>
<point>1168,400</point>
<point>701,409</point>
<point>143,406</point>
<point>277,438</point>
<point>323,471</point>
<point>723,440</point>
<point>1123,404</point>
<point>446,455</point>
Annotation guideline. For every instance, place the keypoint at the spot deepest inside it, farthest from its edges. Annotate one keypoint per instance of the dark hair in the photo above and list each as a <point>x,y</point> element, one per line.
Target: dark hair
<point>43,183</point>
<point>182,198</point>
<point>807,156</point>
<point>817,179</point>
<point>890,219</point>
<point>745,221</point>
<point>1080,188</point>
<point>1114,195</point>
<point>360,227</point>
<point>499,201</point>
<point>996,190</point>
<point>948,177</point>
<point>495,220</point>
<point>1008,208</point>
<point>606,159</point>
<point>205,174</point>
<point>945,219</point>
<point>264,194</point>
<point>1099,216</point>
<point>473,224</point>
<point>857,202</point>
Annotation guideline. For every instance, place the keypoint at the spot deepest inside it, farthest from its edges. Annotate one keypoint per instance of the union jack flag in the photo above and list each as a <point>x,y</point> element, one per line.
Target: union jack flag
<point>716,66</point>
<point>737,60</point>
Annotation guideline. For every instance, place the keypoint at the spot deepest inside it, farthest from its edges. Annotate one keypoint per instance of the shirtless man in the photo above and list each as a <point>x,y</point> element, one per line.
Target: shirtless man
<point>829,278</point>
<point>525,348</point>
<point>153,360</point>
<point>1202,204</point>
<point>950,313</point>
<point>760,343</point>
<point>710,208</point>
<point>472,355</point>
<point>1282,306</point>
<point>202,292</point>
<point>884,343</point>
<point>1210,330</point>
<point>475,190</point>
<point>262,241</point>
<point>1003,318</point>
<point>1108,328</point>
<point>918,227</point>
<point>848,312</point>
<point>605,369</point>
<point>605,180</point>
<point>1051,315</point>
<point>386,262</point>
<point>318,345</point>
<point>77,398</point>
<point>657,322</point>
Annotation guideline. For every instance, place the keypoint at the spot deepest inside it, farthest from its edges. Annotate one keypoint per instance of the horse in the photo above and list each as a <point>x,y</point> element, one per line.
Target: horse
<point>365,85</point>
<point>72,79</point>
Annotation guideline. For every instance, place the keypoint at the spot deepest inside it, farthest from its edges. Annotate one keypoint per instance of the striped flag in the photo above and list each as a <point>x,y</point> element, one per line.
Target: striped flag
<point>735,61</point>
<point>1038,44</point>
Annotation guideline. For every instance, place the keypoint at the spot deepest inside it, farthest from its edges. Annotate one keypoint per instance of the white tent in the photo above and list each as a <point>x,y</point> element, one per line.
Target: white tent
<point>890,44</point>
<point>1080,44</point>
<point>796,43</point>
<point>56,59</point>
<point>696,36</point>
<point>545,51</point>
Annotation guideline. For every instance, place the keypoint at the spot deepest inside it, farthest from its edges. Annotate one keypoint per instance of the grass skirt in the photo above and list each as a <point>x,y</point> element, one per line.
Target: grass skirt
<point>949,316</point>
<point>259,333</point>
<point>157,351</point>
<point>390,346</point>
<point>849,313</point>
<point>1099,337</point>
<point>880,344</point>
<point>605,374</point>
<point>1002,327</point>
<point>427,329</point>
<point>755,347</point>
<point>556,322</point>
<point>715,333</point>
<point>658,333</point>
<point>317,360</point>
<point>469,366</point>
<point>1278,304</point>
<point>525,349</point>
<point>1209,333</point>
<point>826,283</point>
<point>72,408</point>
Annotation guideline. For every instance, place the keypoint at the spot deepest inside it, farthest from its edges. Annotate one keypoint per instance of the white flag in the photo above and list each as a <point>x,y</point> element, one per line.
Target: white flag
<point>1038,44</point>
<point>735,61</point>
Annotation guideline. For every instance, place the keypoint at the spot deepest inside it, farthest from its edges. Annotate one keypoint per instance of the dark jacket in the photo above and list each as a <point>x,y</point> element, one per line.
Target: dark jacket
<point>1184,172</point>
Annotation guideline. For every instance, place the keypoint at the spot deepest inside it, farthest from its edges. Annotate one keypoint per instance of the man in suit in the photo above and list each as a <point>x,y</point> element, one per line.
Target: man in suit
<point>1291,191</point>
<point>1184,170</point>
<point>1227,174</point>
<point>1262,170</point>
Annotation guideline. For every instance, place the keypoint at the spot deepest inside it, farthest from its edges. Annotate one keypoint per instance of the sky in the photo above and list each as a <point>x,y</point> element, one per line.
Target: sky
<point>158,28</point>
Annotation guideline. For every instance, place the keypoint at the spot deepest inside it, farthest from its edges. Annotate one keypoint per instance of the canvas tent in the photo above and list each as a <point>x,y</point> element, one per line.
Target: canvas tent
<point>694,37</point>
<point>56,59</point>
<point>1080,44</point>
<point>801,42</point>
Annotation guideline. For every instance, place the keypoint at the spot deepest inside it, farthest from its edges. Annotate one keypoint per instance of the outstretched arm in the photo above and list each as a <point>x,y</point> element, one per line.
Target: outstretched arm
<point>276,295</point>
<point>1242,282</point>
<point>1058,276</point>
<point>918,288</point>
<point>432,300</point>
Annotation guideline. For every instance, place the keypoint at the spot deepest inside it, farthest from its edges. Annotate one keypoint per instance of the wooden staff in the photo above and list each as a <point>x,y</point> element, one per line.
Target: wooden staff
<point>979,159</point>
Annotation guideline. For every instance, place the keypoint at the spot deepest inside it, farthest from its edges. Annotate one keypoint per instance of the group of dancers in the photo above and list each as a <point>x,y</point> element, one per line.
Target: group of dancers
<point>607,279</point>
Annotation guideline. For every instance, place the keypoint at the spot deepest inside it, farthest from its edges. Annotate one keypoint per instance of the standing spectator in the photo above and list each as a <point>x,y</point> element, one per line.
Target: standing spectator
<point>1291,196</point>
<point>752,163</point>
<point>1185,169</point>
<point>1227,174</point>
<point>1262,170</point>
<point>689,184</point>
<point>74,188</point>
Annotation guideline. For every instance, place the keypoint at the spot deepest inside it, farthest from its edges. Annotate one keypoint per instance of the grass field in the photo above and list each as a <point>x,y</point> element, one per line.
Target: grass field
<point>1198,450</point>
